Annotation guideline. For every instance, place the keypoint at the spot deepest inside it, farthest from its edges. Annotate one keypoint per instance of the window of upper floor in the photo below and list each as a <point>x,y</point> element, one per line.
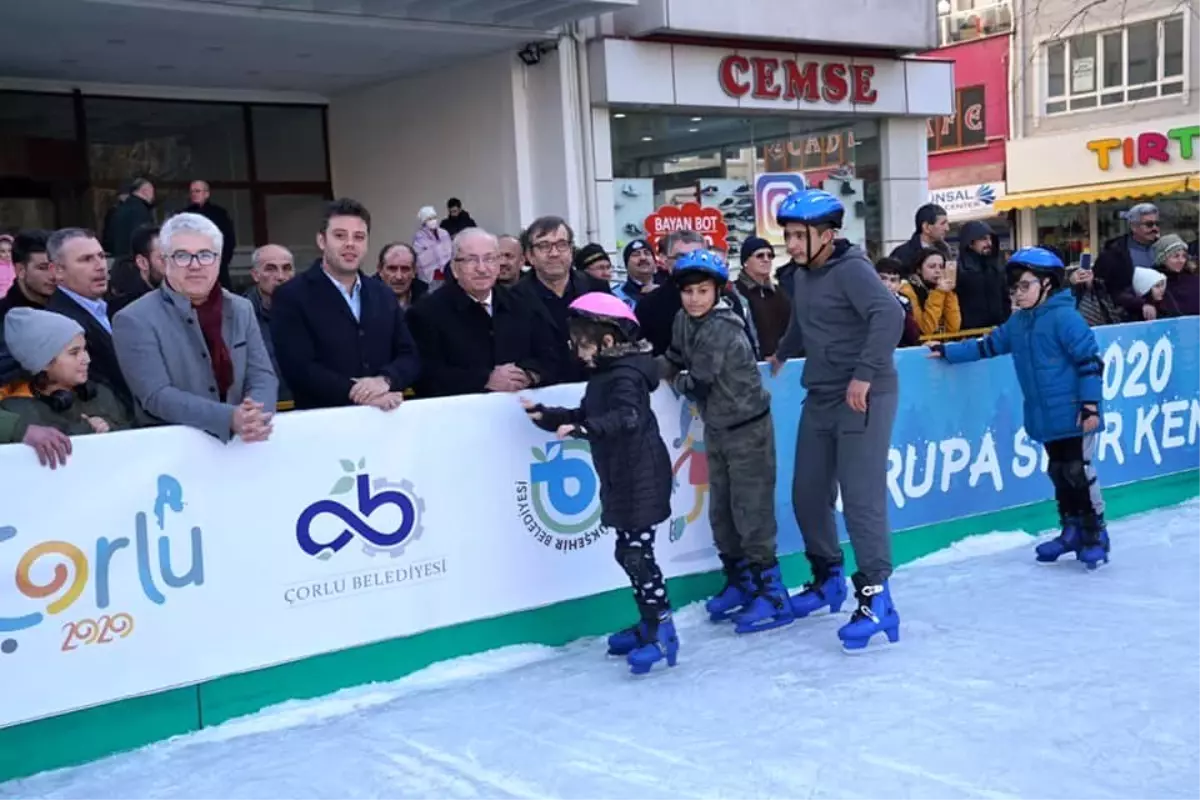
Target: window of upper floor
<point>964,20</point>
<point>1117,66</point>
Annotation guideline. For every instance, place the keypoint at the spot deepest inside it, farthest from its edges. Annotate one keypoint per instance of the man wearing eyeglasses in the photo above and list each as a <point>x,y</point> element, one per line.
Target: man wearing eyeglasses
<point>1135,249</point>
<point>193,352</point>
<point>552,285</point>
<point>81,267</point>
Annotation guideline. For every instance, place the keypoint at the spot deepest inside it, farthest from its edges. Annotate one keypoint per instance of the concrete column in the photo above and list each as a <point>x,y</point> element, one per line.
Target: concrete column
<point>904,176</point>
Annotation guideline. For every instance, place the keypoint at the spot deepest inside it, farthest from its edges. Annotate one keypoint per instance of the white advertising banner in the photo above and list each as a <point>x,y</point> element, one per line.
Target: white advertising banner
<point>162,558</point>
<point>963,203</point>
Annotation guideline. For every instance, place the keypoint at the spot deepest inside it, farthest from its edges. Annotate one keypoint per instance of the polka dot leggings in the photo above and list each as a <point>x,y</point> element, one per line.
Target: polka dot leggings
<point>635,554</point>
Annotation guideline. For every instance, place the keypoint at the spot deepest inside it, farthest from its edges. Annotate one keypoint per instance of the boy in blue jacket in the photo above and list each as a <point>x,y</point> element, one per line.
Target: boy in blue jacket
<point>1059,369</point>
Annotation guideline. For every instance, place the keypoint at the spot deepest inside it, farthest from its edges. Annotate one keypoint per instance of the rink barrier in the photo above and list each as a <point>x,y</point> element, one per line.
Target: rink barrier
<point>201,582</point>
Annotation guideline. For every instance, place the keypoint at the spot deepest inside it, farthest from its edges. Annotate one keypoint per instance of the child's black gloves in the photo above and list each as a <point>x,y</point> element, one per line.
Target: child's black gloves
<point>548,418</point>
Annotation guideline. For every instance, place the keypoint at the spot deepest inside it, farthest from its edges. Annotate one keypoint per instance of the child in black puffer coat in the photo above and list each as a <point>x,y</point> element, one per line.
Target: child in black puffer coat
<point>630,458</point>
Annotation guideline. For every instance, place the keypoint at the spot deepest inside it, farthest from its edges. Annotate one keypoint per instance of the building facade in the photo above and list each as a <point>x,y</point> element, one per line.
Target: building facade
<point>1104,116</point>
<point>591,110</point>
<point>967,148</point>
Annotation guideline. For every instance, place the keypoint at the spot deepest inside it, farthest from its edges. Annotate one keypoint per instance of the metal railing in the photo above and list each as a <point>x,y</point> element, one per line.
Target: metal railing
<point>973,23</point>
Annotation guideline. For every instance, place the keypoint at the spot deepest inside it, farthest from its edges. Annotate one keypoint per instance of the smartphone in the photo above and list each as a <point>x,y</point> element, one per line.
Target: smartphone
<point>1085,261</point>
<point>951,272</point>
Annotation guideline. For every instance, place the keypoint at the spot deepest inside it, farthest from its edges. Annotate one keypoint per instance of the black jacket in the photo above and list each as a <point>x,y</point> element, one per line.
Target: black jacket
<point>908,252</point>
<point>460,343</point>
<point>553,312</point>
<point>982,284</point>
<point>220,217</point>
<point>321,347</point>
<point>132,213</point>
<point>125,285</point>
<point>15,298</point>
<point>104,368</point>
<point>455,225</point>
<point>631,460</point>
<point>1114,265</point>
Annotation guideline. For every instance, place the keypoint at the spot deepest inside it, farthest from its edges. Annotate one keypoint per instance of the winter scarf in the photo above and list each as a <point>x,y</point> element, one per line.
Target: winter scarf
<point>210,314</point>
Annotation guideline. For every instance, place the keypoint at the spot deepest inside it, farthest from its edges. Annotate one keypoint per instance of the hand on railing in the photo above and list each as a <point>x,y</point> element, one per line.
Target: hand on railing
<point>972,333</point>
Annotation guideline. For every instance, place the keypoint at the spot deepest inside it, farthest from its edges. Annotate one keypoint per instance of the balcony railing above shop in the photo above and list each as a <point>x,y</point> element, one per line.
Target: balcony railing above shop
<point>963,24</point>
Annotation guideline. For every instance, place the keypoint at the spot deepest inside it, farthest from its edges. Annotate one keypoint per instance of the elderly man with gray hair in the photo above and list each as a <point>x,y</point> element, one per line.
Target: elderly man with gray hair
<point>1121,255</point>
<point>191,351</point>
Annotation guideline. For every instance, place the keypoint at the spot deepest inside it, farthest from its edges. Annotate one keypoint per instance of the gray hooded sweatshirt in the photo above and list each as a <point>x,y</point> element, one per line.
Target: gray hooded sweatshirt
<point>711,360</point>
<point>847,324</point>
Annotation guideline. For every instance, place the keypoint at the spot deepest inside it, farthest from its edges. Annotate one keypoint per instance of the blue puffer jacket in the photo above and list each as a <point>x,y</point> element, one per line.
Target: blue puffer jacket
<point>1057,361</point>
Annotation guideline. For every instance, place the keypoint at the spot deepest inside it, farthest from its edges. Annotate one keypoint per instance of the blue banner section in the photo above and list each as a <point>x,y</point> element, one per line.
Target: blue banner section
<point>959,446</point>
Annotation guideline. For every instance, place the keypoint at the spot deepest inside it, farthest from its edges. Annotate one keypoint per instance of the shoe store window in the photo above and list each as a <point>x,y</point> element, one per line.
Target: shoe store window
<point>743,167</point>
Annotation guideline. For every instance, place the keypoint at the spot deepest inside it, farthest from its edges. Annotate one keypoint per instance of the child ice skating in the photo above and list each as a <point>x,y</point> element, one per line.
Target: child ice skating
<point>1060,372</point>
<point>630,458</point>
<point>711,361</point>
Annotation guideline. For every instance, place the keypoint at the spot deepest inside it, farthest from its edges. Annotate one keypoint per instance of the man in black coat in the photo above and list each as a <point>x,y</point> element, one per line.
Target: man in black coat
<point>340,336</point>
<point>551,286</point>
<point>82,272</point>
<point>130,214</point>
<point>457,219</point>
<point>982,282</point>
<point>475,336</point>
<point>933,224</point>
<point>199,194</point>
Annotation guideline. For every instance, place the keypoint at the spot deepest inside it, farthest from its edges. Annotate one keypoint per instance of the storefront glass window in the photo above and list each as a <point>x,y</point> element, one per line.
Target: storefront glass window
<point>669,160</point>
<point>1064,228</point>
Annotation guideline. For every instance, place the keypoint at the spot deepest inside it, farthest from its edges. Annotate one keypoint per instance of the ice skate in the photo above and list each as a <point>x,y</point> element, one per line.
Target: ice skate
<point>736,594</point>
<point>770,606</point>
<point>660,644</point>
<point>875,614</point>
<point>1068,541</point>
<point>826,590</point>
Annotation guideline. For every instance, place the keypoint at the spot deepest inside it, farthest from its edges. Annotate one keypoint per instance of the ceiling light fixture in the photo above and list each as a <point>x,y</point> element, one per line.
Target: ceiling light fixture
<point>697,119</point>
<point>693,130</point>
<point>647,138</point>
<point>618,116</point>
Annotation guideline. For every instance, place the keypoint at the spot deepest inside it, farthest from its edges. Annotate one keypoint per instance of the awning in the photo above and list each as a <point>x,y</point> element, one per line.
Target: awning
<point>1098,192</point>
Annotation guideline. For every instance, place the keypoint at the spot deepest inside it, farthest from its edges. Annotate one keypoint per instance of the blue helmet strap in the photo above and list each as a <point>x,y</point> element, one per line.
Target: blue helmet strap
<point>808,245</point>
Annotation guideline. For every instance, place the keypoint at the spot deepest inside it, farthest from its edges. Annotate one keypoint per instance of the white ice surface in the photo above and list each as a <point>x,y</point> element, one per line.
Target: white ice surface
<point>1010,680</point>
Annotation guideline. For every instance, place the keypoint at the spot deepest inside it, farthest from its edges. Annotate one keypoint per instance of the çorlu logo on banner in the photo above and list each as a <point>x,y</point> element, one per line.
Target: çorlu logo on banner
<point>66,585</point>
<point>708,222</point>
<point>373,497</point>
<point>771,189</point>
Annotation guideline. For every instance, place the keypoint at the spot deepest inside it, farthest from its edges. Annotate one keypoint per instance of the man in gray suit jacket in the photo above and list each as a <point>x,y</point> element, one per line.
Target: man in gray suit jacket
<point>191,352</point>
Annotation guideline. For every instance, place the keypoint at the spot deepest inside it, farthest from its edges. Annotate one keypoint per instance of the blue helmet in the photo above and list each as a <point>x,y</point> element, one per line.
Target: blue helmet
<point>812,207</point>
<point>701,261</point>
<point>1036,259</point>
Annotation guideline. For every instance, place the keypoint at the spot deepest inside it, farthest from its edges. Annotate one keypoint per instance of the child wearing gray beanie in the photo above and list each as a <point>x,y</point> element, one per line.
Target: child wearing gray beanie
<point>36,338</point>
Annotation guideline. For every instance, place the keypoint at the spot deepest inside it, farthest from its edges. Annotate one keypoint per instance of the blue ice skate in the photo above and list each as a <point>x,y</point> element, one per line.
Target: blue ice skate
<point>827,589</point>
<point>738,591</point>
<point>1069,541</point>
<point>663,646</point>
<point>1093,549</point>
<point>875,613</point>
<point>624,642</point>
<point>770,607</point>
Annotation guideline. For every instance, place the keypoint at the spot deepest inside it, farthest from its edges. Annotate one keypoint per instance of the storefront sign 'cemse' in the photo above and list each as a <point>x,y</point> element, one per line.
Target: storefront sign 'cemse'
<point>1146,147</point>
<point>765,78</point>
<point>708,222</point>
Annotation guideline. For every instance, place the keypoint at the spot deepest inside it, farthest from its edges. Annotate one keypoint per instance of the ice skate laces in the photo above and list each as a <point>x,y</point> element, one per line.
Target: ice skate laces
<point>864,608</point>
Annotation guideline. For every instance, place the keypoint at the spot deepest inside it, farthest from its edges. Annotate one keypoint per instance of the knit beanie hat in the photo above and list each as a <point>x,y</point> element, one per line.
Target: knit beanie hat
<point>633,247</point>
<point>589,254</point>
<point>36,337</point>
<point>753,244</point>
<point>1144,279</point>
<point>426,213</point>
<point>1165,246</point>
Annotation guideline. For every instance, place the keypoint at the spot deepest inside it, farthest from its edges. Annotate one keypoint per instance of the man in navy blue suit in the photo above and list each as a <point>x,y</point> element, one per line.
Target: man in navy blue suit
<point>341,339</point>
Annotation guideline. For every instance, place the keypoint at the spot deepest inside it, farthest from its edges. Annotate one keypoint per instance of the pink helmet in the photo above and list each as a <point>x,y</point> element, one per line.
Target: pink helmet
<point>604,307</point>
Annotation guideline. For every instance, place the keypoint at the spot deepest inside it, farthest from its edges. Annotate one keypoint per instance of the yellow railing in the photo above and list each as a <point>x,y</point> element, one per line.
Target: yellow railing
<point>970,333</point>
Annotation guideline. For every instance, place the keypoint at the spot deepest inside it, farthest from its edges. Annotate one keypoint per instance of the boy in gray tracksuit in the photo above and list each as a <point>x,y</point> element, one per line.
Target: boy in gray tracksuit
<point>848,323</point>
<point>711,361</point>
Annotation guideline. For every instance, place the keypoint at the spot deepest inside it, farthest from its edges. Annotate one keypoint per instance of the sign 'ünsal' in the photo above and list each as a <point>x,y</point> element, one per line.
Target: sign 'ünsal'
<point>768,78</point>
